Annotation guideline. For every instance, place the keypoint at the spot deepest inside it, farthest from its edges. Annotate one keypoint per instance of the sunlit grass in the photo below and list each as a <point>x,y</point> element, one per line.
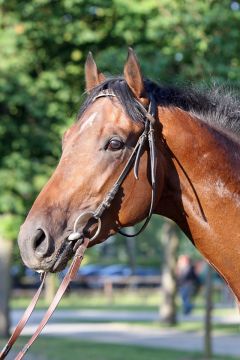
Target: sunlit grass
<point>129,299</point>
<point>62,349</point>
<point>132,300</point>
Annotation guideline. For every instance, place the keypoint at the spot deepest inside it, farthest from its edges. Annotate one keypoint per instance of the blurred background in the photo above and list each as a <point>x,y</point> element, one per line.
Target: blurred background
<point>138,283</point>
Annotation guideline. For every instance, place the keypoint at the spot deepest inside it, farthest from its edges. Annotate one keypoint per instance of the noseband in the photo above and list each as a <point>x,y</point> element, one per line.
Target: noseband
<point>79,237</point>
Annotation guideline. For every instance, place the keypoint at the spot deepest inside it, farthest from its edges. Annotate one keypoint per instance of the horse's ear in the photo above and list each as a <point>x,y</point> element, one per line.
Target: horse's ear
<point>92,76</point>
<point>133,75</point>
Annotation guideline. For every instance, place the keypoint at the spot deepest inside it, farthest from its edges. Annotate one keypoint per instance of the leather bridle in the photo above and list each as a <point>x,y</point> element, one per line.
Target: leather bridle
<point>78,239</point>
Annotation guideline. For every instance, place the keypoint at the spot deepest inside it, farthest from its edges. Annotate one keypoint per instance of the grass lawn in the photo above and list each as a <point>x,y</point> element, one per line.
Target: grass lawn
<point>126,300</point>
<point>65,349</point>
<point>129,299</point>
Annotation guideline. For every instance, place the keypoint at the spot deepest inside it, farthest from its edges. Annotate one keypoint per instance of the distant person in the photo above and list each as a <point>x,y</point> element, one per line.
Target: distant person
<point>188,282</point>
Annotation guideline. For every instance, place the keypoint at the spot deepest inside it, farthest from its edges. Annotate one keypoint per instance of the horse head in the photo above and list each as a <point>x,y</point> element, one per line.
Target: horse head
<point>95,150</point>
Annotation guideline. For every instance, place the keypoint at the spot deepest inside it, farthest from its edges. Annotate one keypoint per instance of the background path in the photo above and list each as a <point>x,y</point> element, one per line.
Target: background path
<point>71,324</point>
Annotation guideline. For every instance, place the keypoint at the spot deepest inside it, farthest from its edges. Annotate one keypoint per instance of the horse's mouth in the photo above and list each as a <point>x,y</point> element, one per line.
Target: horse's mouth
<point>67,250</point>
<point>64,254</point>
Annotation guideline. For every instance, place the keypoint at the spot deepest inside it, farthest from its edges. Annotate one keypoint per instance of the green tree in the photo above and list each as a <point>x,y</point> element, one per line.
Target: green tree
<point>43,45</point>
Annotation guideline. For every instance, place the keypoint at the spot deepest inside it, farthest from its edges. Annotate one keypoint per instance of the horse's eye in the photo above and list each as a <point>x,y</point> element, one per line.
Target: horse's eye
<point>115,145</point>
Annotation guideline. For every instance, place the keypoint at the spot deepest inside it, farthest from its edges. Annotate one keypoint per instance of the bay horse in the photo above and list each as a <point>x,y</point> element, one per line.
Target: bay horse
<point>196,170</point>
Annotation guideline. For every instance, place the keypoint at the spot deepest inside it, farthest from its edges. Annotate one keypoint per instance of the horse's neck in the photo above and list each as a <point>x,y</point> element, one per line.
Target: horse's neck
<point>202,192</point>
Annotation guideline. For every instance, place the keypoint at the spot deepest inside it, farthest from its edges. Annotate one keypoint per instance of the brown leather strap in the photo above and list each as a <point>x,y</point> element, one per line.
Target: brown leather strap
<point>22,322</point>
<point>67,279</point>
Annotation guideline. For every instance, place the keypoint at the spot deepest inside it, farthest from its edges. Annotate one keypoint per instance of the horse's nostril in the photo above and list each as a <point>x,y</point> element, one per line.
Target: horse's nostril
<point>41,243</point>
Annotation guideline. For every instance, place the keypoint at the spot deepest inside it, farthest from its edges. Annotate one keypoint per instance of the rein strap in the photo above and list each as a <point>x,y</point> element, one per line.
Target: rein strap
<point>78,257</point>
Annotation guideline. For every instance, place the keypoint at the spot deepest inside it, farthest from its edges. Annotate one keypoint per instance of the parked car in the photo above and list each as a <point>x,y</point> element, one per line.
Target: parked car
<point>150,276</point>
<point>115,273</point>
<point>146,271</point>
<point>116,270</point>
<point>94,276</point>
<point>85,276</point>
<point>90,270</point>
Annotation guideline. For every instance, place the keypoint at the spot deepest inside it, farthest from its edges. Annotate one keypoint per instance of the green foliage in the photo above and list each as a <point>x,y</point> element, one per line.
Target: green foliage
<point>43,45</point>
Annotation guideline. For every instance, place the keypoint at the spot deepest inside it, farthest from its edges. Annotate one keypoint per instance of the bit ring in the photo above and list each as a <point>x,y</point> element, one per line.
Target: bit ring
<point>75,235</point>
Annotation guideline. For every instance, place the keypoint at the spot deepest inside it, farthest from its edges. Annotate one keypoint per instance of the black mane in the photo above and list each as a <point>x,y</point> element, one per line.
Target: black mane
<point>218,107</point>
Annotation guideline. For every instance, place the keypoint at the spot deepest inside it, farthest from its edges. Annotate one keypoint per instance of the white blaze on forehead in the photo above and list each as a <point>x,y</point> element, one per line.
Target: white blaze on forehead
<point>89,122</point>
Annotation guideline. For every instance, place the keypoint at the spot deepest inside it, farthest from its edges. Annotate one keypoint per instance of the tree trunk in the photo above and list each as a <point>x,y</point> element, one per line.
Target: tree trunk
<point>5,286</point>
<point>170,241</point>
<point>131,248</point>
<point>50,287</point>
<point>208,314</point>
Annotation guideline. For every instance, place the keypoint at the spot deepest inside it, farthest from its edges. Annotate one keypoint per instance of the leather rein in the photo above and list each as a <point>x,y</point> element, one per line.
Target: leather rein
<point>80,239</point>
